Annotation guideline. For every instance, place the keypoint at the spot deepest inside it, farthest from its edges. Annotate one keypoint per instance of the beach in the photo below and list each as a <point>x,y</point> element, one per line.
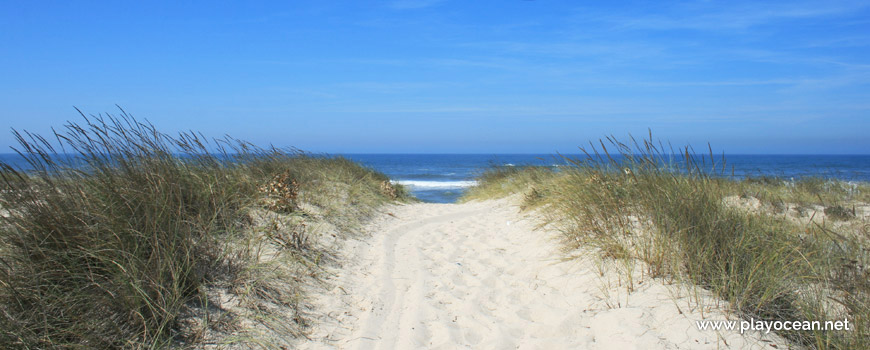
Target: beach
<point>431,174</point>
<point>484,275</point>
<point>261,248</point>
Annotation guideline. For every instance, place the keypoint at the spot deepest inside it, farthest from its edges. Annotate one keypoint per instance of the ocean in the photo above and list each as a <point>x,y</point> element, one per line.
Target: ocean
<point>443,178</point>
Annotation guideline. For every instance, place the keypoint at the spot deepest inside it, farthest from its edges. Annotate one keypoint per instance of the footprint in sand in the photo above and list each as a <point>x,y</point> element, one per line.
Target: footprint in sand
<point>457,276</point>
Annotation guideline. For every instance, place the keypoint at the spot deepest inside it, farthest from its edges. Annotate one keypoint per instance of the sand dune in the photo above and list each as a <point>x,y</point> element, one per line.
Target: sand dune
<point>479,276</point>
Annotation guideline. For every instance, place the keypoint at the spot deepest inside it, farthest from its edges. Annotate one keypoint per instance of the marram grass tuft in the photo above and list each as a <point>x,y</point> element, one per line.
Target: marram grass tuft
<point>759,243</point>
<point>116,228</point>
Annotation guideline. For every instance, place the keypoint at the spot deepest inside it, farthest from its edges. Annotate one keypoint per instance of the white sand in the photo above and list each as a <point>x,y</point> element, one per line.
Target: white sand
<point>478,275</point>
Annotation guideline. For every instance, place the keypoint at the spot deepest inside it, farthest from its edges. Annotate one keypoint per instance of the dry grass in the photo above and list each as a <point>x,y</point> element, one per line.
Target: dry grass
<point>119,230</point>
<point>501,181</point>
<point>661,207</point>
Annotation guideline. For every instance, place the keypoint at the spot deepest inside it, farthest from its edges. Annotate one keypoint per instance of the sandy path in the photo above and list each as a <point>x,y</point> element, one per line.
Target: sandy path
<point>477,275</point>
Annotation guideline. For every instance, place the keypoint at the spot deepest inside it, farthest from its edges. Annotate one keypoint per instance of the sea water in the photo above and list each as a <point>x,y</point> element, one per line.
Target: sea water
<point>443,178</point>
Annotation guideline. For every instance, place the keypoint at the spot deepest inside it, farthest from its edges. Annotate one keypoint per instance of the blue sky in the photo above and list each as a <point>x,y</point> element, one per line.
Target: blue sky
<point>426,76</point>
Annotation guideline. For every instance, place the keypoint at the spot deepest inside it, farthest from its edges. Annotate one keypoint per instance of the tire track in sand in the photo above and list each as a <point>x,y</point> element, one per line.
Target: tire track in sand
<point>479,276</point>
<point>387,314</point>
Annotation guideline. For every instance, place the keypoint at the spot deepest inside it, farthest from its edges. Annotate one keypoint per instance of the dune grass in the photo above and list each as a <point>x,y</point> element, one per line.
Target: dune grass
<point>500,181</point>
<point>671,210</point>
<point>118,229</point>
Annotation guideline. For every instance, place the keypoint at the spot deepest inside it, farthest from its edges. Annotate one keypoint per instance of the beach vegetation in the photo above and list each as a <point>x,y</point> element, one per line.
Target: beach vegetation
<point>501,181</point>
<point>117,235</point>
<point>774,250</point>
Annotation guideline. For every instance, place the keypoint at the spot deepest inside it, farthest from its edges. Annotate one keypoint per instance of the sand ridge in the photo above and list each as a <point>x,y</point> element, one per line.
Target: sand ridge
<point>480,276</point>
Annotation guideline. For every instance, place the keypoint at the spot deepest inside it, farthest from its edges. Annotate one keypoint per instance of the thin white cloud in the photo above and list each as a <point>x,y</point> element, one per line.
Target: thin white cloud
<point>736,17</point>
<point>385,87</point>
<point>413,4</point>
<point>757,82</point>
<point>852,41</point>
<point>569,48</point>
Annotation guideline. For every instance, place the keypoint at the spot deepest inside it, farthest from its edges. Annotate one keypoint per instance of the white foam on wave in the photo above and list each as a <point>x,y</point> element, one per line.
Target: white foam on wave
<point>435,185</point>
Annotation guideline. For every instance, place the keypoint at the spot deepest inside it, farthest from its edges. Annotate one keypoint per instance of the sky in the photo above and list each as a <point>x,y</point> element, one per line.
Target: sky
<point>429,76</point>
